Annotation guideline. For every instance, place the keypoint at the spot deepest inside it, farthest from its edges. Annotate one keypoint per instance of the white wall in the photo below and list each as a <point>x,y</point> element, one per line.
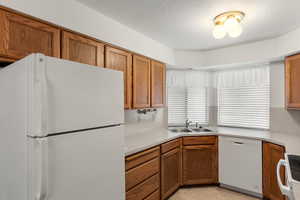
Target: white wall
<point>188,59</point>
<point>75,16</point>
<point>250,53</point>
<point>255,52</point>
<point>277,84</point>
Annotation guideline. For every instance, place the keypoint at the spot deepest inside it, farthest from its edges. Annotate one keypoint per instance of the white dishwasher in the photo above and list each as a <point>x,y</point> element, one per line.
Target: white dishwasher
<point>240,164</point>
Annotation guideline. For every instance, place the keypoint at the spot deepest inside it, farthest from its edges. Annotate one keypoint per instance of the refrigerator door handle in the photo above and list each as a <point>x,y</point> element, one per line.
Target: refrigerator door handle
<point>38,105</point>
<point>42,170</point>
<point>44,98</point>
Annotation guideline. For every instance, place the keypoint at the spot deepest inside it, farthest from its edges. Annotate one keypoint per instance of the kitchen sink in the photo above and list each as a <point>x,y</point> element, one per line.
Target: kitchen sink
<point>177,130</point>
<point>189,130</point>
<point>201,130</point>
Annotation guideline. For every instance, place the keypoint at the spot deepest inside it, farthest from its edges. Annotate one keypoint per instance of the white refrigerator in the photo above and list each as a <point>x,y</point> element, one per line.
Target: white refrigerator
<point>61,134</point>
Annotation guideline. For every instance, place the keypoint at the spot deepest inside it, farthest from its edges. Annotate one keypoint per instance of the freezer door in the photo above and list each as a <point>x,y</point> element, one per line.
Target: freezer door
<point>84,165</point>
<point>66,96</point>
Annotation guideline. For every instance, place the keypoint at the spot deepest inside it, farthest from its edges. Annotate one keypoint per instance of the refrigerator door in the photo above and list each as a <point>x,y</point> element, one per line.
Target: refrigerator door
<point>85,165</point>
<point>66,96</point>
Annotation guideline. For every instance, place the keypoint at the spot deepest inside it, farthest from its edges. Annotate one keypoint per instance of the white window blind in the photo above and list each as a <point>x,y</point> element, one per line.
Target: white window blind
<point>244,98</point>
<point>187,103</point>
<point>197,107</point>
<point>176,105</point>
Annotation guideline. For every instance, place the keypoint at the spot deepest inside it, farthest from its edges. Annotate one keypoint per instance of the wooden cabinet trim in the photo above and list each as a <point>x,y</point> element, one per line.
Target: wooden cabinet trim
<point>165,147</point>
<point>9,60</point>
<point>200,147</point>
<point>196,140</point>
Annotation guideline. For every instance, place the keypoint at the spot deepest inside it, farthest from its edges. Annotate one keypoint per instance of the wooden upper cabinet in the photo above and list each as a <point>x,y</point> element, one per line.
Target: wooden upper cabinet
<point>122,61</point>
<point>141,82</point>
<point>21,36</point>
<point>272,153</point>
<point>81,49</point>
<point>292,81</point>
<point>158,71</point>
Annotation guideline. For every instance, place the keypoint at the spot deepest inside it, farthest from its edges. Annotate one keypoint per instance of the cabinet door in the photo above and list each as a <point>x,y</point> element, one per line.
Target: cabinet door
<point>170,172</point>
<point>272,153</point>
<point>292,79</point>
<point>157,84</point>
<point>141,82</point>
<point>81,49</point>
<point>21,36</point>
<point>121,61</point>
<point>200,164</point>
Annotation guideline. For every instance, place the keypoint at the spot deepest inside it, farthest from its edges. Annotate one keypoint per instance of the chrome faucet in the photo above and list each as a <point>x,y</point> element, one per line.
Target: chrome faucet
<point>187,123</point>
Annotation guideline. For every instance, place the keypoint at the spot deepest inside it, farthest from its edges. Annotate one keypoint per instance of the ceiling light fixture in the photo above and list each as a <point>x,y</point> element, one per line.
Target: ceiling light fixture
<point>228,22</point>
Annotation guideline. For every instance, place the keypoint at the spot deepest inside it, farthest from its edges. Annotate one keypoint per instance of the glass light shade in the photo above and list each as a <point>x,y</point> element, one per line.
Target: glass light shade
<point>219,31</point>
<point>230,24</point>
<point>236,31</point>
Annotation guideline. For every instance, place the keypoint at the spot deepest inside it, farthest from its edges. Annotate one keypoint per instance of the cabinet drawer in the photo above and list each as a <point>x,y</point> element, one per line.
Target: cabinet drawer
<point>144,189</point>
<point>139,158</point>
<point>200,140</point>
<point>170,145</point>
<point>138,174</point>
<point>153,196</point>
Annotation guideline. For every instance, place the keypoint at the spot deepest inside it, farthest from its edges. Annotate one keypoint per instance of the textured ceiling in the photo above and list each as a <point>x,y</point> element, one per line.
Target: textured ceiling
<point>187,24</point>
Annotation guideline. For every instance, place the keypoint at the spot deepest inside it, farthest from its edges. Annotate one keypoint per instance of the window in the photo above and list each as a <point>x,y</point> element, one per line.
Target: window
<point>244,98</point>
<point>187,96</point>
<point>187,103</point>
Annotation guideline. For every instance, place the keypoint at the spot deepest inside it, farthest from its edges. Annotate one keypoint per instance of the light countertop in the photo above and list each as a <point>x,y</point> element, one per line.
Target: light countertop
<point>140,141</point>
<point>144,140</point>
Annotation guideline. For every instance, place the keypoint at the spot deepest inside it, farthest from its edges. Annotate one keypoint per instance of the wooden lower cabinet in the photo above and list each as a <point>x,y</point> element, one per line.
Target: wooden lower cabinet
<point>272,153</point>
<point>143,175</point>
<point>200,163</point>
<point>154,196</point>
<point>145,188</point>
<point>171,168</point>
<point>158,172</point>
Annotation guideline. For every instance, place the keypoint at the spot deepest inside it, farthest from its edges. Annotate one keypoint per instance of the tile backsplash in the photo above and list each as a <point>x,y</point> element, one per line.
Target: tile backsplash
<point>284,121</point>
<point>281,120</point>
<point>138,122</point>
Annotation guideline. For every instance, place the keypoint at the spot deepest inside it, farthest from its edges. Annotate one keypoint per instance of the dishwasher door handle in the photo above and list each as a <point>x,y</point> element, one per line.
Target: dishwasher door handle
<point>237,143</point>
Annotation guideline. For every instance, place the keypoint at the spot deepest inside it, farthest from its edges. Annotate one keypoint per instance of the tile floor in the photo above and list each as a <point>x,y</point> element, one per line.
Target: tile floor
<point>208,193</point>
